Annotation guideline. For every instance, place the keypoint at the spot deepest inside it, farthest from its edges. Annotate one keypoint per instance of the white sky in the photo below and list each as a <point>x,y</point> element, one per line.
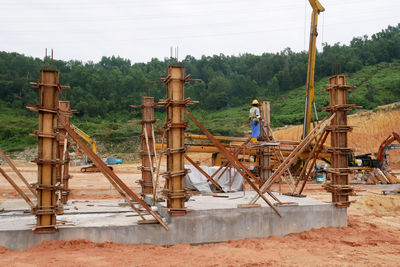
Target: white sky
<point>140,30</point>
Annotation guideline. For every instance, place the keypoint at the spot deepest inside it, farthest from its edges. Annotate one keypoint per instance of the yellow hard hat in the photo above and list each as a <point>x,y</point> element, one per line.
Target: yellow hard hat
<point>255,102</point>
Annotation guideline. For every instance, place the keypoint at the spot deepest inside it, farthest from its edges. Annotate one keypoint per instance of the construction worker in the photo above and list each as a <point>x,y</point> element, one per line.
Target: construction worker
<point>254,119</point>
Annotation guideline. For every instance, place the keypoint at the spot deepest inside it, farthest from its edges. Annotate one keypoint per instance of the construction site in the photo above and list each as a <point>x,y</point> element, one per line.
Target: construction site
<point>307,195</point>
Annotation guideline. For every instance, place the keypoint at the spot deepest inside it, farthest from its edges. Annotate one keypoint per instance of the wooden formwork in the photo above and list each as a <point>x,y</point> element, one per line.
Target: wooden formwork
<point>339,185</point>
<point>265,152</point>
<point>176,126</point>
<point>47,160</point>
<point>148,145</point>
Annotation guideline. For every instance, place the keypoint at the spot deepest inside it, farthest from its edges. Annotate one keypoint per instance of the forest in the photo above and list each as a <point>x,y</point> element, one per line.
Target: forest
<point>114,83</point>
<point>102,92</point>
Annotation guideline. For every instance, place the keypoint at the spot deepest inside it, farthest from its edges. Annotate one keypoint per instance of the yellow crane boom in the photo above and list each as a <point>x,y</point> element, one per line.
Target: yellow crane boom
<point>317,8</point>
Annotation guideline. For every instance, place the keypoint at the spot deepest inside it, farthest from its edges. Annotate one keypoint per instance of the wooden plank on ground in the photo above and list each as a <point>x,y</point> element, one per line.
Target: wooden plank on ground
<point>392,178</point>
<point>246,206</point>
<point>381,176</point>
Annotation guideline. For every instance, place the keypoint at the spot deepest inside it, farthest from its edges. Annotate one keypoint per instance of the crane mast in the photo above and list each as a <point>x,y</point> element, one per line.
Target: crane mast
<point>317,8</point>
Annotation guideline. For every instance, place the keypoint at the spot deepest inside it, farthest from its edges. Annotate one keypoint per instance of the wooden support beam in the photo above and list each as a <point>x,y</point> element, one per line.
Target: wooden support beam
<point>150,155</point>
<point>64,115</point>
<point>264,152</point>
<point>17,188</point>
<point>204,173</point>
<point>111,176</point>
<point>158,167</point>
<point>235,162</point>
<point>293,156</point>
<point>323,136</point>
<point>155,153</point>
<point>19,174</point>
<point>235,153</point>
<point>279,158</point>
<point>311,156</point>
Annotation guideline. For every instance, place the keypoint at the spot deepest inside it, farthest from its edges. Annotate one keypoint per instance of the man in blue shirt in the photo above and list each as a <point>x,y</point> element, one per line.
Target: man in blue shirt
<point>254,118</point>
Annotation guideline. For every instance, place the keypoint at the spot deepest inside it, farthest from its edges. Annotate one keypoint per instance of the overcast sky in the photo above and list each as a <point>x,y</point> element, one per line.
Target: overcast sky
<point>143,29</point>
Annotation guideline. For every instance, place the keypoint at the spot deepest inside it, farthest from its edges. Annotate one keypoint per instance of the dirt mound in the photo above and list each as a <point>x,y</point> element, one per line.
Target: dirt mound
<point>3,250</point>
<point>360,244</point>
<point>379,205</point>
<point>73,244</point>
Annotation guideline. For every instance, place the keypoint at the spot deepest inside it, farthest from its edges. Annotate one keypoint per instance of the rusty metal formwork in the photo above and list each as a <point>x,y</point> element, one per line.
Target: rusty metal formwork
<point>339,185</point>
<point>175,174</point>
<point>148,152</point>
<point>47,161</point>
<point>64,115</point>
<point>265,152</point>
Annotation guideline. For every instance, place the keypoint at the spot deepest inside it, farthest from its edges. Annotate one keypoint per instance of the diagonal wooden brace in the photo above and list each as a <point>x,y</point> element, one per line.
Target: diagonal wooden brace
<point>204,173</point>
<point>12,165</point>
<point>293,156</point>
<point>17,188</point>
<point>235,162</point>
<point>110,175</point>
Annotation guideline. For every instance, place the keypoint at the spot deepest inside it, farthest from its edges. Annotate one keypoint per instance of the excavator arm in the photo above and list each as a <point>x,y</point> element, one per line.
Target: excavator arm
<point>92,143</point>
<point>317,8</point>
<point>381,151</point>
<point>85,137</point>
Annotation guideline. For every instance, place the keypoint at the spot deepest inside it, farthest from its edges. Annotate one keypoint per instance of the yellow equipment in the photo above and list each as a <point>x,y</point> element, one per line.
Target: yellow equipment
<point>317,8</point>
<point>90,141</point>
<point>85,137</point>
<point>255,102</point>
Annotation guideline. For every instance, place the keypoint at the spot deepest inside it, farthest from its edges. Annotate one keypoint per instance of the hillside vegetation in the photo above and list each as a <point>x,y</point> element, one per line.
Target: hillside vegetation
<point>103,91</point>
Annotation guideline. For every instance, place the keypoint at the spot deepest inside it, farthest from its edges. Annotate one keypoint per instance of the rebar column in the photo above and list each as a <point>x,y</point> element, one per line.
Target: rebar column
<point>176,125</point>
<point>148,154</point>
<point>339,186</point>
<point>264,153</point>
<point>47,160</point>
<point>64,115</point>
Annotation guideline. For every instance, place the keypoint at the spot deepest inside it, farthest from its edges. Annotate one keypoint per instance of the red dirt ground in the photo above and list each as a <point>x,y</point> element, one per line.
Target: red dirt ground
<point>371,239</point>
<point>360,244</point>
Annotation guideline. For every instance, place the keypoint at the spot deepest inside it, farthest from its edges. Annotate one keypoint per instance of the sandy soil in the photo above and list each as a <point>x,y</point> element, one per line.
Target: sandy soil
<point>370,129</point>
<point>372,237</point>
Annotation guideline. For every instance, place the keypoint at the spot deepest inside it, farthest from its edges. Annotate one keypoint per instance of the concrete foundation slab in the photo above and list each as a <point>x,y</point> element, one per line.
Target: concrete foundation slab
<point>209,219</point>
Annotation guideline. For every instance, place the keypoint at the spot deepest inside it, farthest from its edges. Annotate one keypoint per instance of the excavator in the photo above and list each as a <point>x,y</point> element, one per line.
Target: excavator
<point>381,162</point>
<point>92,143</point>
